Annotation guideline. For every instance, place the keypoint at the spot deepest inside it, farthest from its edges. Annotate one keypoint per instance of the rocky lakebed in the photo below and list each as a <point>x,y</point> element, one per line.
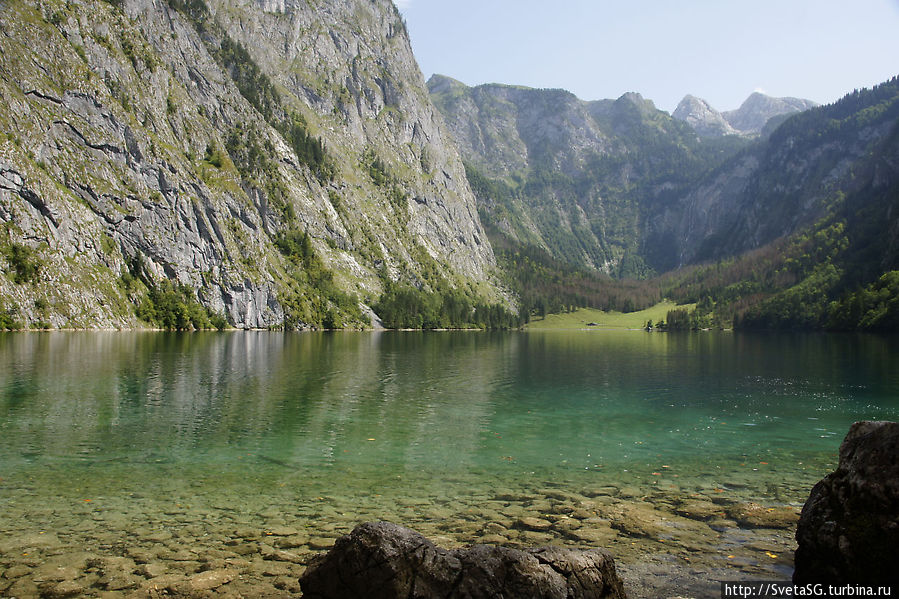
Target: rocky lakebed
<point>667,539</point>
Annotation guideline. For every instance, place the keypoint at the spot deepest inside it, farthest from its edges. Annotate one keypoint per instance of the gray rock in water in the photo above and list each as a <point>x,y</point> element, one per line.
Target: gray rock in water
<point>849,527</point>
<point>386,561</point>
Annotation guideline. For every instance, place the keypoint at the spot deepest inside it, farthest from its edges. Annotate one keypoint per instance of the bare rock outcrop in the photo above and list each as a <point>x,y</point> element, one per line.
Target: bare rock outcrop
<point>849,528</point>
<point>700,115</point>
<point>386,561</point>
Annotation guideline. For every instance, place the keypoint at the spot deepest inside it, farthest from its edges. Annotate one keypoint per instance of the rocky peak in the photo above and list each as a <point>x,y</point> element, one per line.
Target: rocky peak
<point>748,120</point>
<point>707,121</point>
<point>638,100</point>
<point>758,109</point>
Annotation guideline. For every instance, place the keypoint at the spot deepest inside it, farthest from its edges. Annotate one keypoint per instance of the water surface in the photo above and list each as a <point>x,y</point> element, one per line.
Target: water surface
<point>245,441</point>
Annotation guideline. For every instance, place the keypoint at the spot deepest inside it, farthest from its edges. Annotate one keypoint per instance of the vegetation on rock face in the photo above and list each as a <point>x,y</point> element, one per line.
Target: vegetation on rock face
<point>314,299</point>
<point>405,307</point>
<point>23,265</point>
<point>8,320</point>
<point>257,88</point>
<point>172,306</point>
<point>169,305</point>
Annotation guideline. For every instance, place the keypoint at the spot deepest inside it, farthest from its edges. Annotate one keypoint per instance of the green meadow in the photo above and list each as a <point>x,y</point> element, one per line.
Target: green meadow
<point>582,317</point>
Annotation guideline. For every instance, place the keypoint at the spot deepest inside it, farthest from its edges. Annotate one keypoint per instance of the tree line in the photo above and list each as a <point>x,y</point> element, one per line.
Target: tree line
<point>403,306</point>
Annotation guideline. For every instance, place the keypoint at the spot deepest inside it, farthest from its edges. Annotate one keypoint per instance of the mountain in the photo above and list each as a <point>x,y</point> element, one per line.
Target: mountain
<point>581,180</point>
<point>788,181</point>
<point>266,162</point>
<point>758,109</point>
<point>802,229</point>
<point>277,163</point>
<point>748,120</point>
<point>791,221</point>
<point>705,120</point>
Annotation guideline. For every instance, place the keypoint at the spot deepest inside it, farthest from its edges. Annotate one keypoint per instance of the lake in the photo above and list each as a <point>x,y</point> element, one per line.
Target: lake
<point>143,458</point>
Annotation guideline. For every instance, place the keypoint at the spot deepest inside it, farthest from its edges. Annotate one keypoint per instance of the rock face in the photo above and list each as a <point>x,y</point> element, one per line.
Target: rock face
<point>504,129</point>
<point>178,133</point>
<point>385,561</point>
<point>849,528</point>
<point>507,132</point>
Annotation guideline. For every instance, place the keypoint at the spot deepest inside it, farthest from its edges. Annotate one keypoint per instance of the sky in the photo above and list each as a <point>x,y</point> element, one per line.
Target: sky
<point>718,50</point>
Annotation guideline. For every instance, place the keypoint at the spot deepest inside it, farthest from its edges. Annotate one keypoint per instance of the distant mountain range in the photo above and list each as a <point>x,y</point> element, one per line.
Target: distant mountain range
<point>750,119</point>
<point>583,180</point>
<point>623,188</point>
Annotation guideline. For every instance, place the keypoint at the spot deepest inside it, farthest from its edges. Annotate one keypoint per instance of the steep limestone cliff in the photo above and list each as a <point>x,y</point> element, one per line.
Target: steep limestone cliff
<point>280,159</point>
<point>505,130</point>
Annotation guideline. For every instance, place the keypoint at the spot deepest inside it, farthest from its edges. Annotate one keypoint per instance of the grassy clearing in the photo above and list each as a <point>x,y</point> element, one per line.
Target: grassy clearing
<point>580,318</point>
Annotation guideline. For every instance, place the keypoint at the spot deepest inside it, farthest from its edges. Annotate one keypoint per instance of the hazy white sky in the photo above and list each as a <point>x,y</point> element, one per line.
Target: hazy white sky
<point>719,50</point>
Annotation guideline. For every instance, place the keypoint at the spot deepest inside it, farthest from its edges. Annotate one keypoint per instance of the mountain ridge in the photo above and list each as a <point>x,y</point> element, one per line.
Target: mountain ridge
<point>786,216</point>
<point>188,142</point>
<point>270,164</point>
<point>582,178</point>
<point>748,120</point>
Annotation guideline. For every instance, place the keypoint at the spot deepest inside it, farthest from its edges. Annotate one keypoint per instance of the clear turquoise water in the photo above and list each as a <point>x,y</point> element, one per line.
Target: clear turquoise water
<point>422,428</point>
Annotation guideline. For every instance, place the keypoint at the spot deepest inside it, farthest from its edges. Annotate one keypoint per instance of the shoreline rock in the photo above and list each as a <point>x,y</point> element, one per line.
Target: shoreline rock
<point>848,531</point>
<point>386,561</point>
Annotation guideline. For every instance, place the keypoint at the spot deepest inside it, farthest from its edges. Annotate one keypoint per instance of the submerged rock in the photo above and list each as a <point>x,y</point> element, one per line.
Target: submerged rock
<point>849,527</point>
<point>385,561</point>
<point>210,580</point>
<point>753,515</point>
<point>699,510</point>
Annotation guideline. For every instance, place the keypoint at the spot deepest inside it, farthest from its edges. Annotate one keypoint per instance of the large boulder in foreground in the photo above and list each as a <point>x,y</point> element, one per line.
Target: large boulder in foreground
<point>386,561</point>
<point>849,527</point>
